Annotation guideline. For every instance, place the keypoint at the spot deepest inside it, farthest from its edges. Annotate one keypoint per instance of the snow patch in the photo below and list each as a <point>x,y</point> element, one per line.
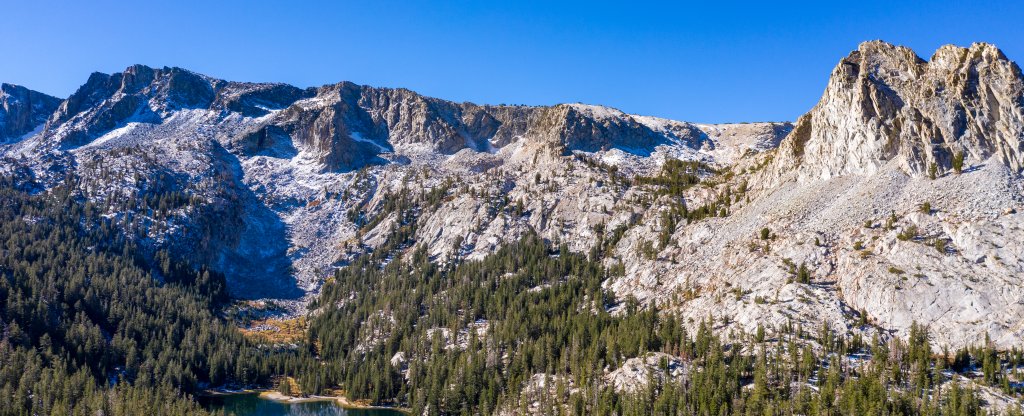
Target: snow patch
<point>359,138</point>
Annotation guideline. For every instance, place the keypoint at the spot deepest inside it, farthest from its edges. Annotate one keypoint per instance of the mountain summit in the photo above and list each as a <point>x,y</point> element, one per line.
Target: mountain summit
<point>22,110</point>
<point>883,103</point>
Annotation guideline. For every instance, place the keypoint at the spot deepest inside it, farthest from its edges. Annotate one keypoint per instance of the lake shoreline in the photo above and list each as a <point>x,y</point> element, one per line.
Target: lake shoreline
<point>225,392</point>
<point>276,396</point>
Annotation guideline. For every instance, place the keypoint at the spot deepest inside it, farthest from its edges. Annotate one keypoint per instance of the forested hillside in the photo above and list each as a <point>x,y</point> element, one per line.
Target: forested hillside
<point>88,326</point>
<point>531,330</point>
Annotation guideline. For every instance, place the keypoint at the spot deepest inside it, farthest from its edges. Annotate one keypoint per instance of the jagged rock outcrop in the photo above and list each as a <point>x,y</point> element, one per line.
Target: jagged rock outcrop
<point>22,110</point>
<point>885,104</point>
<point>594,128</point>
<point>843,196</point>
<point>350,125</point>
<point>142,94</point>
<point>256,99</point>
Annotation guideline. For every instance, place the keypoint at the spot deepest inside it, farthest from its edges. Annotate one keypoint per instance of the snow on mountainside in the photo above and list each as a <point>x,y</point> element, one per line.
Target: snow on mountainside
<point>23,111</point>
<point>280,174</point>
<point>276,186</point>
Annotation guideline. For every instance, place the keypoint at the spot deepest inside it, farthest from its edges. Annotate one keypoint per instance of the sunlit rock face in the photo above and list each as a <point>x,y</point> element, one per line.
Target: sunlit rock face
<point>883,103</point>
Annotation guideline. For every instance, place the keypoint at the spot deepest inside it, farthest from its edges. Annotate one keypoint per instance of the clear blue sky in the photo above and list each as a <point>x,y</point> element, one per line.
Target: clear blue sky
<point>700,61</point>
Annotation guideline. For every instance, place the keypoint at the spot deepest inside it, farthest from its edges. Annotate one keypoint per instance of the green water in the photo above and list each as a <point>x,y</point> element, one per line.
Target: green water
<point>253,405</point>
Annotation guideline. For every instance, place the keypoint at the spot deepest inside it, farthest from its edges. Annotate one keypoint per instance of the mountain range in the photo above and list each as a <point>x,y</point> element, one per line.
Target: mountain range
<point>895,200</point>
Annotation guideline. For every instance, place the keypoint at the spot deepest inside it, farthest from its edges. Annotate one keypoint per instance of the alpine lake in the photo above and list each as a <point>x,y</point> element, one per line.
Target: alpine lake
<point>251,404</point>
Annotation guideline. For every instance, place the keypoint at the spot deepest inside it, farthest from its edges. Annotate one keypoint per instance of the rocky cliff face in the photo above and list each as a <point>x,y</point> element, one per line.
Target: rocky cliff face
<point>349,126</point>
<point>850,195</point>
<point>885,104</point>
<point>142,94</point>
<point>22,110</point>
<point>277,186</point>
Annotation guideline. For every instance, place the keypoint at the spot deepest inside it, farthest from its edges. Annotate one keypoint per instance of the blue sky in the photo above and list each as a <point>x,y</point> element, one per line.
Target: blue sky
<point>699,61</point>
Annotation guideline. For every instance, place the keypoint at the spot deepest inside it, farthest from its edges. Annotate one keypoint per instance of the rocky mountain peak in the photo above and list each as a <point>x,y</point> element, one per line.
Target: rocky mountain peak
<point>348,126</point>
<point>885,104</point>
<point>953,57</point>
<point>144,94</point>
<point>593,128</point>
<point>22,110</point>
<point>345,126</point>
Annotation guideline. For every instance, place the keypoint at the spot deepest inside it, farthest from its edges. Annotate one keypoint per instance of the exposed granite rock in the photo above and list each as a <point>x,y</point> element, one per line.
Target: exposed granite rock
<point>257,100</point>
<point>349,126</point>
<point>142,94</point>
<point>23,110</point>
<point>885,103</point>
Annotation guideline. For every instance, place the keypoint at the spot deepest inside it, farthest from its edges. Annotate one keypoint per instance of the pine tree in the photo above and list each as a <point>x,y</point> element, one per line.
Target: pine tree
<point>958,162</point>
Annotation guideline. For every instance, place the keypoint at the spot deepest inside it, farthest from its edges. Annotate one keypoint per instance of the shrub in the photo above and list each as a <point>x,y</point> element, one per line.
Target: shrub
<point>647,250</point>
<point>908,233</point>
<point>891,222</point>
<point>765,233</point>
<point>958,162</point>
<point>803,275</point>
<point>925,207</point>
